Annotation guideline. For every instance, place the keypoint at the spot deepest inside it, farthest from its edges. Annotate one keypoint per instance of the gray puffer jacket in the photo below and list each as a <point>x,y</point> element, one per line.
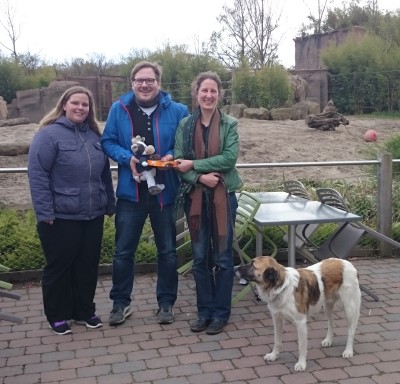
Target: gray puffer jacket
<point>69,174</point>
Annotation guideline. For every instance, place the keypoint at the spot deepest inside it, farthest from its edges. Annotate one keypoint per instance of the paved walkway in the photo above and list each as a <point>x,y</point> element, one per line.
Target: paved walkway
<point>142,351</point>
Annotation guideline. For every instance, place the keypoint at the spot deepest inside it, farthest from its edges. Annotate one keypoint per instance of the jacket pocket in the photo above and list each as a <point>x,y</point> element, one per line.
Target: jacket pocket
<point>66,199</point>
<point>67,152</point>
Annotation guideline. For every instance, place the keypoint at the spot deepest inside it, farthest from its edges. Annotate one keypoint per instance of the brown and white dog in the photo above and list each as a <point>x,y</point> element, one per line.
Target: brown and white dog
<point>295,293</point>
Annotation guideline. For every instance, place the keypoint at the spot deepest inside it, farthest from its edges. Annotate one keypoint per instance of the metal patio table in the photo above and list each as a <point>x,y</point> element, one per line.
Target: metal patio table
<point>282,209</point>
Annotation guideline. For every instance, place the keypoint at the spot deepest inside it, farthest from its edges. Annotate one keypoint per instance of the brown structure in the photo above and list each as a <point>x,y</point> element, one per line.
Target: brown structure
<point>308,63</point>
<point>35,103</point>
<point>308,48</point>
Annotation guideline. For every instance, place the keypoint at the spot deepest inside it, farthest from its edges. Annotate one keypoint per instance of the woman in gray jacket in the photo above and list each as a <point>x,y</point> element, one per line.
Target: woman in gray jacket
<point>71,189</point>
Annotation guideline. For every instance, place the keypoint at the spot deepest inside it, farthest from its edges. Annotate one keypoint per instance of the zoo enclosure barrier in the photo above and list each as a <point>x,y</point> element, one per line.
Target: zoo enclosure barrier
<point>385,216</point>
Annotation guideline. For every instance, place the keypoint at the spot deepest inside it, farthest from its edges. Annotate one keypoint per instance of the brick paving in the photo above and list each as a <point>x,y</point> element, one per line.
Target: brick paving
<point>142,351</point>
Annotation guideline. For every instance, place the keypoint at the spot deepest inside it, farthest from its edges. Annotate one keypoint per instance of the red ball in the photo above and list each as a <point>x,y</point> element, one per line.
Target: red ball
<point>370,135</point>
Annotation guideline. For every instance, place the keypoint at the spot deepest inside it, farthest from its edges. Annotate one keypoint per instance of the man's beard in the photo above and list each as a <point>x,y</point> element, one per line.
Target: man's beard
<point>147,103</point>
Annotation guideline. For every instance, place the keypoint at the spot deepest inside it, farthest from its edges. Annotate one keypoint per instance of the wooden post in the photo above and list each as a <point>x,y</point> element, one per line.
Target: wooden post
<point>384,213</point>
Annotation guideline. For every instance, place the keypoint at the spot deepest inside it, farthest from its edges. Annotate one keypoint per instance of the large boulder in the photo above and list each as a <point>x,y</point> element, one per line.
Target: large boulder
<point>281,113</point>
<point>256,113</point>
<point>3,109</point>
<point>300,88</point>
<point>236,110</point>
<point>302,109</point>
<point>17,139</point>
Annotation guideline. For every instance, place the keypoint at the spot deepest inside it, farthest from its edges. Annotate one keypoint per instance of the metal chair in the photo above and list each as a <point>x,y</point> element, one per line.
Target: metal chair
<point>245,230</point>
<point>304,232</point>
<point>5,285</point>
<point>296,188</point>
<point>244,236</point>
<point>345,238</point>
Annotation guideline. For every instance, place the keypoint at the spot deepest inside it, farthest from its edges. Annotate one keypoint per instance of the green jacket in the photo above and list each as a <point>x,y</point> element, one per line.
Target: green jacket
<point>224,163</point>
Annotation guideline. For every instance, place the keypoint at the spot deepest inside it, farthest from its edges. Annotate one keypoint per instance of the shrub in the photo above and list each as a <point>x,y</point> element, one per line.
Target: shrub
<point>268,87</point>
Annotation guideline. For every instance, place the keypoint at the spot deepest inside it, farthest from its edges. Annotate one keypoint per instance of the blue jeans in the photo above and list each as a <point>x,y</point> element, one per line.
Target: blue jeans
<point>213,272</point>
<point>129,221</point>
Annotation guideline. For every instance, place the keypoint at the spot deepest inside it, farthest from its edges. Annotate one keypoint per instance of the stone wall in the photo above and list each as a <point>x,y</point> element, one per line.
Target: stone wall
<point>308,48</point>
<point>35,103</point>
<point>317,85</point>
<point>309,66</point>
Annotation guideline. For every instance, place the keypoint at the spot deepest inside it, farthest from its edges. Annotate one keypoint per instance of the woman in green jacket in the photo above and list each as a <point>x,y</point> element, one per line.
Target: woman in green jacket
<point>206,147</point>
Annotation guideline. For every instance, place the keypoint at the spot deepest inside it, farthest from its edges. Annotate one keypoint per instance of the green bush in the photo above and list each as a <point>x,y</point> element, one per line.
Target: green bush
<point>267,87</point>
<point>20,246</point>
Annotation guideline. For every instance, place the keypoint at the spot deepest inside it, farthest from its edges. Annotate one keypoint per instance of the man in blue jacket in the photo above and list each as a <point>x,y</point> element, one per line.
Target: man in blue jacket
<point>150,113</point>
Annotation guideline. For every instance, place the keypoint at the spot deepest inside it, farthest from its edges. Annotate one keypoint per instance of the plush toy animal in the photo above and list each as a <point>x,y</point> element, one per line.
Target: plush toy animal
<point>143,153</point>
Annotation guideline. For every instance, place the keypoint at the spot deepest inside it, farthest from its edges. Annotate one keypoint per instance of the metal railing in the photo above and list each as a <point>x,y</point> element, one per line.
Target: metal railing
<point>384,185</point>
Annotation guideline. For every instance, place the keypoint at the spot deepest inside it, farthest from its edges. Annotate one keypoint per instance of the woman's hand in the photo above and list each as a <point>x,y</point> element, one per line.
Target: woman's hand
<point>210,179</point>
<point>184,165</point>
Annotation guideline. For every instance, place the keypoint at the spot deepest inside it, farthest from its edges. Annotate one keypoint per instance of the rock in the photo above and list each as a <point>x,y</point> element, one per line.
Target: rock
<point>281,113</point>
<point>17,139</point>
<point>256,113</point>
<point>16,121</point>
<point>236,110</point>
<point>3,109</point>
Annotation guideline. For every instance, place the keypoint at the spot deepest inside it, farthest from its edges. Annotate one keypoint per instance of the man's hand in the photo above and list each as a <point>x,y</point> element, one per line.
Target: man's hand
<point>167,158</point>
<point>135,173</point>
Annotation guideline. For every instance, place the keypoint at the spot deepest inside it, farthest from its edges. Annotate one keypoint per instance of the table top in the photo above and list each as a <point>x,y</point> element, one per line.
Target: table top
<point>274,197</point>
<point>299,211</point>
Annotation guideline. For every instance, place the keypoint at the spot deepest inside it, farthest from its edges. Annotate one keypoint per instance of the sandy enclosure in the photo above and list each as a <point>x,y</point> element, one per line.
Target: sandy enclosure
<point>261,141</point>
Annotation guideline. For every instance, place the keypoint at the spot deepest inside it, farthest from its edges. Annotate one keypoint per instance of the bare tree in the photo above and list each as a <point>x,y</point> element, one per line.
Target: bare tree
<point>9,26</point>
<point>263,22</point>
<point>315,21</point>
<point>246,35</point>
<point>230,43</point>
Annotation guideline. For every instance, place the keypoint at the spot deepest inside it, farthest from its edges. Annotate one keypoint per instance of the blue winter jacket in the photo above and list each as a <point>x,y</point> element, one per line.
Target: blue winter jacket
<point>117,140</point>
<point>69,174</point>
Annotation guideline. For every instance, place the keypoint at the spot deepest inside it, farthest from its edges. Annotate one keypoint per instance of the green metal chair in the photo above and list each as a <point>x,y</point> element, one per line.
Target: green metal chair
<point>244,236</point>
<point>5,285</point>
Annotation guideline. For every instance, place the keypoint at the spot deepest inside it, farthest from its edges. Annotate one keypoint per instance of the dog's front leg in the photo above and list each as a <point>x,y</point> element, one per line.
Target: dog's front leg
<point>278,321</point>
<point>301,326</point>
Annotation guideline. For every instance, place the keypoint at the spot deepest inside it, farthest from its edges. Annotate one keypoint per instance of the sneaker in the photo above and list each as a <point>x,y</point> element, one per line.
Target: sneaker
<point>119,314</point>
<point>165,315</point>
<point>60,327</point>
<point>93,322</point>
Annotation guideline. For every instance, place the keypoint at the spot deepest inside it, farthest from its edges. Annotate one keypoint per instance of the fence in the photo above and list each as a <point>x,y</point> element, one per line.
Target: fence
<point>373,200</point>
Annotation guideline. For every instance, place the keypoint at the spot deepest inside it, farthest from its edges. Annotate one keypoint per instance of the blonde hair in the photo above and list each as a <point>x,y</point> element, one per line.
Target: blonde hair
<point>58,110</point>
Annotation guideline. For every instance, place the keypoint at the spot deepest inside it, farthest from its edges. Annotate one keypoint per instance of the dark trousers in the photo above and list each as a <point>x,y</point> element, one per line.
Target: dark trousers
<point>212,270</point>
<point>129,221</point>
<point>72,252</point>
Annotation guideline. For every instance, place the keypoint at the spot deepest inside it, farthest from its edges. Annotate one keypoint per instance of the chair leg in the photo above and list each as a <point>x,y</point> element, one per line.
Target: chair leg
<point>184,269</point>
<point>242,293</point>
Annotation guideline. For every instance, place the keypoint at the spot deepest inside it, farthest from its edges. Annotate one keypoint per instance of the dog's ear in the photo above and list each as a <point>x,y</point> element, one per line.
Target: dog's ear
<point>271,275</point>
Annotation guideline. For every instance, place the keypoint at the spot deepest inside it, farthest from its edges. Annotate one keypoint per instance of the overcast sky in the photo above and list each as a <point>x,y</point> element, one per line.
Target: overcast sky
<point>59,30</point>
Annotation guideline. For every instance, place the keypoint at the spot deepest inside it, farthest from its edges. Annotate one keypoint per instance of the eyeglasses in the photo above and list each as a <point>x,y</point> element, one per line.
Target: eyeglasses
<point>141,81</point>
